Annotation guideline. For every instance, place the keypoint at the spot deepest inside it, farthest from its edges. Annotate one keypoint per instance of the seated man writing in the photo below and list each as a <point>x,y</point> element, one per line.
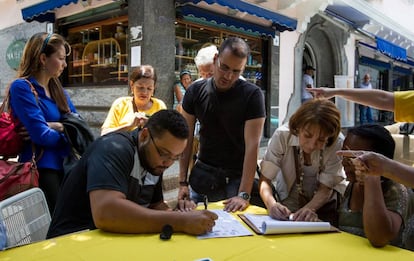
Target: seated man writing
<point>116,186</point>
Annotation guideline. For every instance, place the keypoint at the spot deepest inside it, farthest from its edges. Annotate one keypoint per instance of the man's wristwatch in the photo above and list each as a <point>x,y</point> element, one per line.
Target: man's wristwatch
<point>244,195</point>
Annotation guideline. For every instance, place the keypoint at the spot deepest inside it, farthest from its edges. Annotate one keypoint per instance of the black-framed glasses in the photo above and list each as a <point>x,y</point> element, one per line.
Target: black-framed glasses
<point>225,69</point>
<point>163,155</point>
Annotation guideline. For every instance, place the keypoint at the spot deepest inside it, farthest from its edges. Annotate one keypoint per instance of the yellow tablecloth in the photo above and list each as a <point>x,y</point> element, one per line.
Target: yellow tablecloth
<point>99,245</point>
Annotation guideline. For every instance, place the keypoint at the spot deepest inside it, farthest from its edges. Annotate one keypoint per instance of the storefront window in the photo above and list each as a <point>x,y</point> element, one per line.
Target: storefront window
<point>191,37</point>
<point>99,53</point>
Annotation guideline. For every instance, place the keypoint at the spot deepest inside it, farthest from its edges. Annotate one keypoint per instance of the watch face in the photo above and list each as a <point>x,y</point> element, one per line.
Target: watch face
<point>244,195</point>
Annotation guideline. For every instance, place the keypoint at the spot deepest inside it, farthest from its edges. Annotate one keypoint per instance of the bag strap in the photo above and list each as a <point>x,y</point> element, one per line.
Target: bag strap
<point>296,157</point>
<point>33,90</point>
<point>5,102</point>
<point>17,167</point>
<point>34,158</point>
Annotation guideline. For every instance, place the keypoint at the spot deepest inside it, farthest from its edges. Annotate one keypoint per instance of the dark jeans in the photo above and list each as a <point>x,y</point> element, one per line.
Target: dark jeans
<point>365,114</point>
<point>229,183</point>
<point>49,183</point>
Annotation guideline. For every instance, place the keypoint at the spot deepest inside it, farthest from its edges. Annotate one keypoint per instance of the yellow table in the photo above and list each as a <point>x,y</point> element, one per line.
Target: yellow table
<point>99,245</point>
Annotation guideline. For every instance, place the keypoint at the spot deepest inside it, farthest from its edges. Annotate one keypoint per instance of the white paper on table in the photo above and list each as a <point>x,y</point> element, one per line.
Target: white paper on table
<point>226,226</point>
<point>266,225</point>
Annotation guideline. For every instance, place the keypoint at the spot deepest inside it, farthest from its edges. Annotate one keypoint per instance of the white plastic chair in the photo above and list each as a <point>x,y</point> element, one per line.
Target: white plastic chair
<point>26,217</point>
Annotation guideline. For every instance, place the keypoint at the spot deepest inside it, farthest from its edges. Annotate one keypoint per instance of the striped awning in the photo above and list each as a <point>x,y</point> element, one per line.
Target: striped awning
<point>43,11</point>
<point>239,14</point>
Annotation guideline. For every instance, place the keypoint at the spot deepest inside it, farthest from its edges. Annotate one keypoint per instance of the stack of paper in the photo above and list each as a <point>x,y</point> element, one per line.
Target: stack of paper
<point>264,224</point>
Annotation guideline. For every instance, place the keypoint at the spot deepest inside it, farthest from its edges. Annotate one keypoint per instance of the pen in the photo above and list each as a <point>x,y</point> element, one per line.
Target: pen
<point>205,201</point>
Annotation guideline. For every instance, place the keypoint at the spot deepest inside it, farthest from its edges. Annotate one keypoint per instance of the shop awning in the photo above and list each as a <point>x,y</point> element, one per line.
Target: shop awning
<point>383,65</point>
<point>242,11</point>
<point>43,11</point>
<point>192,13</point>
<point>348,14</point>
<point>379,65</point>
<point>359,21</point>
<point>391,50</point>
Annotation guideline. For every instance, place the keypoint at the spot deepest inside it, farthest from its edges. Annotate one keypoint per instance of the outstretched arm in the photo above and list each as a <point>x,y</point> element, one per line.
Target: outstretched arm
<point>378,99</point>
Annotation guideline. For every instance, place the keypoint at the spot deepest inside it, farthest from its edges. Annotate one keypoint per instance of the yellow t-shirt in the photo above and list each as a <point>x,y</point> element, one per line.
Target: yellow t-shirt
<point>122,114</point>
<point>403,106</point>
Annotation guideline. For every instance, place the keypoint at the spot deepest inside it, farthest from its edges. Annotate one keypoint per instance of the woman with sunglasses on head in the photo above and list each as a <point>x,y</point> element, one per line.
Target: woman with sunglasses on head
<point>39,111</point>
<point>302,178</point>
<point>128,113</point>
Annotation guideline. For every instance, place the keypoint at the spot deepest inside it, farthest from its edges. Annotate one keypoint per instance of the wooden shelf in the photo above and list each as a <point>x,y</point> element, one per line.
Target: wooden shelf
<point>80,75</point>
<point>104,65</point>
<point>184,57</point>
<point>78,63</point>
<point>117,72</point>
<point>188,40</point>
<point>254,66</point>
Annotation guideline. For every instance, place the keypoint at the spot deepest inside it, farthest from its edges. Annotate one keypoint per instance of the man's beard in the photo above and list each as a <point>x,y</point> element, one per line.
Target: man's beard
<point>143,153</point>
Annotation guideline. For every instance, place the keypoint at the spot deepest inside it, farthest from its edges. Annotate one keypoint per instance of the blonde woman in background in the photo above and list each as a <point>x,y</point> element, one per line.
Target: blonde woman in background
<point>128,113</point>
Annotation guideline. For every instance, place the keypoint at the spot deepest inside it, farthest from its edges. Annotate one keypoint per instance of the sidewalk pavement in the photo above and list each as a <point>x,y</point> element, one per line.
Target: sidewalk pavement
<point>170,180</point>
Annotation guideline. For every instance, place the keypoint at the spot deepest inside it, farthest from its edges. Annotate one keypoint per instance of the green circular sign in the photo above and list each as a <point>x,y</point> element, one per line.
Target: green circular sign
<point>14,53</point>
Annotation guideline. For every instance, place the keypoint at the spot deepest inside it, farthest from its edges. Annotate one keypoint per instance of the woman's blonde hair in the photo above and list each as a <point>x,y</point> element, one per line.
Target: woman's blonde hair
<point>321,112</point>
<point>30,65</point>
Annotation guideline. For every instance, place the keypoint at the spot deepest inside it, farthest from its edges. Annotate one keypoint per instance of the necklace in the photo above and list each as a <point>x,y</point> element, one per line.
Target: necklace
<point>299,182</point>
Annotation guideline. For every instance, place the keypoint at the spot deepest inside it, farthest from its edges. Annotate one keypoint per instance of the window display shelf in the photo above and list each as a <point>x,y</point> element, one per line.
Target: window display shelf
<point>190,38</point>
<point>184,57</point>
<point>104,65</point>
<point>80,75</point>
<point>254,66</point>
<point>187,40</point>
<point>97,57</point>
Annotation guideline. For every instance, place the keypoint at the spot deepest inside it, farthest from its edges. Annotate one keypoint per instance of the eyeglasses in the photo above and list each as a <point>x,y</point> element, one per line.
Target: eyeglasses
<point>164,156</point>
<point>225,69</point>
